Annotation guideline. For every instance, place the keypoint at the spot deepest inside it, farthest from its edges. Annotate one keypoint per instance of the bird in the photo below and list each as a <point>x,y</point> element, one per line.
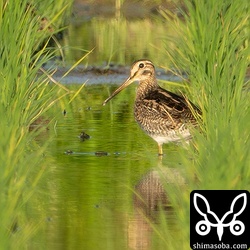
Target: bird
<point>163,115</point>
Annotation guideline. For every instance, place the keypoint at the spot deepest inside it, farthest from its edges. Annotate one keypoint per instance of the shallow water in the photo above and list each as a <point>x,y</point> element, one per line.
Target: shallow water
<point>87,199</point>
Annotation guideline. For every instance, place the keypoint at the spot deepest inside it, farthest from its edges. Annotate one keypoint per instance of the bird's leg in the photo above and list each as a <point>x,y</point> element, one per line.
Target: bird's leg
<point>160,152</point>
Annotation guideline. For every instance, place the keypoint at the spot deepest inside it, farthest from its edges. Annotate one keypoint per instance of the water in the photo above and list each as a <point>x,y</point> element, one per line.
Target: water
<point>87,197</point>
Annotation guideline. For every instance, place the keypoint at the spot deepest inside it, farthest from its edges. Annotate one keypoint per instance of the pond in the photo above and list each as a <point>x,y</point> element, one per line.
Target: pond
<point>103,192</point>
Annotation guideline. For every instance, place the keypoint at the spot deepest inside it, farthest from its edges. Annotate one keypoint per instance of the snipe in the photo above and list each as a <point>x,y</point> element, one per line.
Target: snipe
<point>164,116</point>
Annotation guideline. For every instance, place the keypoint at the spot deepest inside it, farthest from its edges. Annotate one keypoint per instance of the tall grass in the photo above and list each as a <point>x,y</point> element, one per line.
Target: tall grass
<point>24,97</point>
<point>213,49</point>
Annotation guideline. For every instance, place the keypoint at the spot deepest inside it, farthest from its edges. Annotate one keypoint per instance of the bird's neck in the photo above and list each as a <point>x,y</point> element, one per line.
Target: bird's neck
<point>146,87</point>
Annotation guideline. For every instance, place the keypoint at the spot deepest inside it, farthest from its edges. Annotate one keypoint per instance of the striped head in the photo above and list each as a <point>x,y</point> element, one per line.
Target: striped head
<point>141,70</point>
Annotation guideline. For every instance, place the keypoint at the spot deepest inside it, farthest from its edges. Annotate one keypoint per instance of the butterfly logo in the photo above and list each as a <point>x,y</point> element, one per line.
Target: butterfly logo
<point>203,227</point>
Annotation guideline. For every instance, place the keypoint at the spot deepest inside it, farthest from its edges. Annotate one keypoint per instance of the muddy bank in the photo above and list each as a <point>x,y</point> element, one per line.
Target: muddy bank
<point>114,74</point>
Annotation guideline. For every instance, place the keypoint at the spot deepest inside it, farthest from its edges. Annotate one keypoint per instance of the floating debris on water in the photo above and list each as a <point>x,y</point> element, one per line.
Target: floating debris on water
<point>101,153</point>
<point>68,152</point>
<point>83,136</point>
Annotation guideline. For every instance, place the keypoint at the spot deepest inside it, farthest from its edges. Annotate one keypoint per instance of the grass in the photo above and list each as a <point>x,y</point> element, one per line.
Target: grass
<point>25,95</point>
<point>213,49</point>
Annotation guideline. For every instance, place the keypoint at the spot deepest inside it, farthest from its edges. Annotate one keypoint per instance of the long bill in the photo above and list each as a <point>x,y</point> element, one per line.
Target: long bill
<point>123,86</point>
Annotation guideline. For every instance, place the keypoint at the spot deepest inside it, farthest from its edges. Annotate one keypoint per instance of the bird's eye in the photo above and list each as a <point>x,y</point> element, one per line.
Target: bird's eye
<point>141,65</point>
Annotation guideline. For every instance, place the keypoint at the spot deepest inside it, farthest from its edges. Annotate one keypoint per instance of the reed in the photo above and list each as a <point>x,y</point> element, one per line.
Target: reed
<point>25,95</point>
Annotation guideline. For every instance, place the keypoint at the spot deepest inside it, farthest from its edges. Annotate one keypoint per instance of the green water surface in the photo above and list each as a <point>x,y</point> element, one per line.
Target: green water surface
<point>86,200</point>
